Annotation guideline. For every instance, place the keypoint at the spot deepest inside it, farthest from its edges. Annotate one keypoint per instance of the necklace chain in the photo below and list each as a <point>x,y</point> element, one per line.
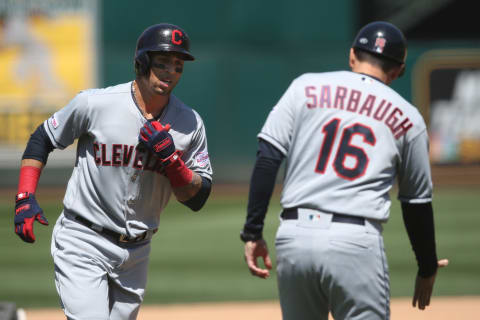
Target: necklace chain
<point>134,95</point>
<point>144,113</point>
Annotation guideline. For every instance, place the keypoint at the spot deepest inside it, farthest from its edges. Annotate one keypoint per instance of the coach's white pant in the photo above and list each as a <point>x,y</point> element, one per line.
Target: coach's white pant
<point>327,266</point>
<point>95,278</point>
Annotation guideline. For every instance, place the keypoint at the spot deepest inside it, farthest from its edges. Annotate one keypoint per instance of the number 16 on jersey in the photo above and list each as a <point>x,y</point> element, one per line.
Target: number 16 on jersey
<point>345,149</point>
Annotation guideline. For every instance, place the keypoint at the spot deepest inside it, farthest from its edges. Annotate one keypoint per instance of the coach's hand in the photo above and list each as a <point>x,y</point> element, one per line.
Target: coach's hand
<point>253,250</point>
<point>157,139</point>
<point>424,288</point>
<point>27,211</point>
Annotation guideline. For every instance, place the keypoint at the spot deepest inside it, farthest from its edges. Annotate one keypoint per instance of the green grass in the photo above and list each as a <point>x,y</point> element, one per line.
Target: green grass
<point>457,221</point>
<point>198,256</point>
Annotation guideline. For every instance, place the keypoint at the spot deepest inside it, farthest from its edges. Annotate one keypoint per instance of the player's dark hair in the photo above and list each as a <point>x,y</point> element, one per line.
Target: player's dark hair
<point>382,62</point>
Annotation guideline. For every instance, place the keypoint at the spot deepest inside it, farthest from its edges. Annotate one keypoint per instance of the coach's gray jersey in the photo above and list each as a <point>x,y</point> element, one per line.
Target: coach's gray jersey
<point>115,184</point>
<point>347,136</point>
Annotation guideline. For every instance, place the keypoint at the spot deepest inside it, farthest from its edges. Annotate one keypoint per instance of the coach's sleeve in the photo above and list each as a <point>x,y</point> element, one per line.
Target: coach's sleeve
<point>278,128</point>
<point>419,223</point>
<point>262,183</point>
<point>414,174</point>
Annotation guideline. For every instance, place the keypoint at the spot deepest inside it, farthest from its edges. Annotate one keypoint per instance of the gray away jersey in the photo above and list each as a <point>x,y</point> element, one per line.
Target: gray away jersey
<point>115,184</point>
<point>347,137</point>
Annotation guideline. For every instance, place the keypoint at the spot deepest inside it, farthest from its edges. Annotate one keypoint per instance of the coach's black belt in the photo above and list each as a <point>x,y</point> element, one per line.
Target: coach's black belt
<point>115,235</point>
<point>292,214</point>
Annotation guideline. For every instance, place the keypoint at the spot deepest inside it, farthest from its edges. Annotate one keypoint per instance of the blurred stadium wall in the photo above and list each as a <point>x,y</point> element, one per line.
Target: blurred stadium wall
<point>247,53</point>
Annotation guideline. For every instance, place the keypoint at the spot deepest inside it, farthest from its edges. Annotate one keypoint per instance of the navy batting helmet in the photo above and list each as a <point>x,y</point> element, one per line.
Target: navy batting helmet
<point>384,39</point>
<point>163,37</point>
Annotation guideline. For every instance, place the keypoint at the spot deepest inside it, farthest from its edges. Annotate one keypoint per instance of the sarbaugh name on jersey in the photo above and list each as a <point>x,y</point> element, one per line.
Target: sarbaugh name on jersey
<point>351,100</point>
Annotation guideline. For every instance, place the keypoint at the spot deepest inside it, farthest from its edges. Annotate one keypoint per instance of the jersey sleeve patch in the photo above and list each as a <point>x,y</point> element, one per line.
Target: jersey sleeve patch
<point>53,121</point>
<point>202,159</point>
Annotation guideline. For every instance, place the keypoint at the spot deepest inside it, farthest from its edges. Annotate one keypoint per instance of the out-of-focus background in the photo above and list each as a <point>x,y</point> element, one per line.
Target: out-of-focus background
<point>247,53</point>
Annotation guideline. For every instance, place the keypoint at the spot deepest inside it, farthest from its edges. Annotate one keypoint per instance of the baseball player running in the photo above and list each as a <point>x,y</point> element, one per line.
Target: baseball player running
<point>346,137</point>
<point>137,143</point>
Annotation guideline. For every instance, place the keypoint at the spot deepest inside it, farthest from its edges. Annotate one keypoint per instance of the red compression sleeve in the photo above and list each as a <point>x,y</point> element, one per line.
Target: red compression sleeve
<point>178,173</point>
<point>28,179</point>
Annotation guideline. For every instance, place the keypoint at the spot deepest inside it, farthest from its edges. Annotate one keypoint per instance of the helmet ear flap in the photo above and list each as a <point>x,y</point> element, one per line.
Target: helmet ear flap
<point>142,64</point>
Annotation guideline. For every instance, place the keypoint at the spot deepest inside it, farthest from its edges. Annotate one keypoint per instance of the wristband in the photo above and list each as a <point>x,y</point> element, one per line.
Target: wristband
<point>178,173</point>
<point>28,179</point>
<point>246,236</point>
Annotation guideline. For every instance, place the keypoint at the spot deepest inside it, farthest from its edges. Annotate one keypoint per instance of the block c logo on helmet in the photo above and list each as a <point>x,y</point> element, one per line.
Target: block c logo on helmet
<point>177,40</point>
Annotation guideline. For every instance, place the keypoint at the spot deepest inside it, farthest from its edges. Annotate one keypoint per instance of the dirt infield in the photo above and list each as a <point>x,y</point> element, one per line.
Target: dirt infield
<point>441,308</point>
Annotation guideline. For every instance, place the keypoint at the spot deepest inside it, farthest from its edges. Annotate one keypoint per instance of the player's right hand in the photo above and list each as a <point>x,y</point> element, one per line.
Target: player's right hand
<point>253,250</point>
<point>157,139</point>
<point>27,211</point>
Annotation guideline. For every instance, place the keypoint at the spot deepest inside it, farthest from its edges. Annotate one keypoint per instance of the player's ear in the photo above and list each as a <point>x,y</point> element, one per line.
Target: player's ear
<point>402,70</point>
<point>352,59</point>
<point>394,74</point>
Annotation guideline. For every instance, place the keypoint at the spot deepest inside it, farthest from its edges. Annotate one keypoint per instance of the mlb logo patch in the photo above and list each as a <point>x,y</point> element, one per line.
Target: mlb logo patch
<point>202,159</point>
<point>54,122</point>
<point>314,217</point>
<point>380,44</point>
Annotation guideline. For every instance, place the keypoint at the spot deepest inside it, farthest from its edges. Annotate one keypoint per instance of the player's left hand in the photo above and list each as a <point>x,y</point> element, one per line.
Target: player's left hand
<point>27,211</point>
<point>424,288</point>
<point>157,139</point>
<point>253,250</point>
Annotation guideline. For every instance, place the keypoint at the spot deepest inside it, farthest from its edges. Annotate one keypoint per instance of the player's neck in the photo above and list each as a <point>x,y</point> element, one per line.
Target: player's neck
<point>150,104</point>
<point>372,71</point>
